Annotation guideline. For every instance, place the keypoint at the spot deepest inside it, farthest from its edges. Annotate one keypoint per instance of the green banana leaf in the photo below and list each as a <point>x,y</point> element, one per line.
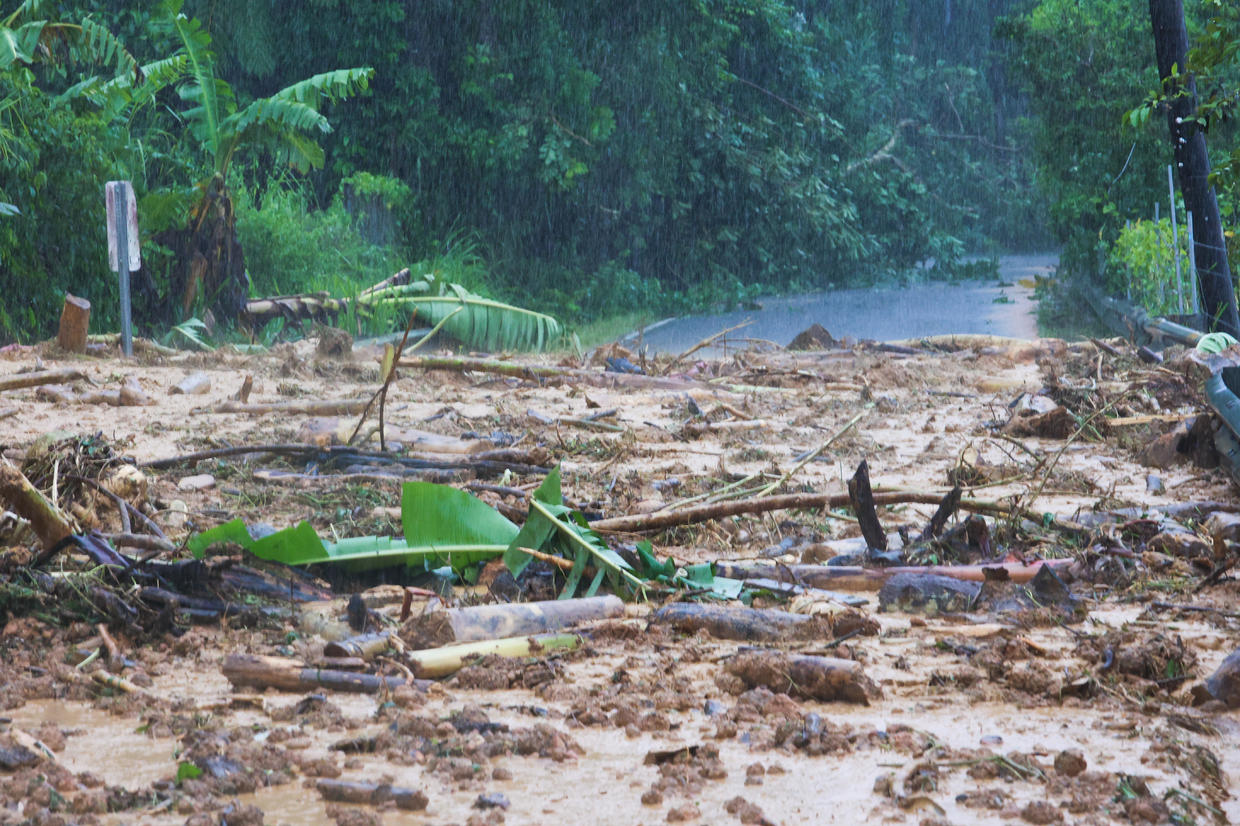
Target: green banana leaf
<point>480,322</point>
<point>443,526</point>
<point>552,527</point>
<point>699,577</point>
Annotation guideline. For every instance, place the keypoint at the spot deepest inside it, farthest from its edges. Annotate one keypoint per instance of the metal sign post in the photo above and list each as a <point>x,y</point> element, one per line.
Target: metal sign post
<point>124,255</point>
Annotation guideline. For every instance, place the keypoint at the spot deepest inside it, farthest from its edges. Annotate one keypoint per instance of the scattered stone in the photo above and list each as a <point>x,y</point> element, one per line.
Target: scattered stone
<point>1041,812</point>
<point>1070,762</point>
<point>492,800</point>
<point>1224,683</point>
<point>928,593</point>
<point>813,337</point>
<point>682,813</point>
<point>199,481</point>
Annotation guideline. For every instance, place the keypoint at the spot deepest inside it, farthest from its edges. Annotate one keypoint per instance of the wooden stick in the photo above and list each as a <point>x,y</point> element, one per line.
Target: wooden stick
<point>813,454</point>
<point>39,377</point>
<point>258,671</point>
<point>318,407</point>
<point>706,342</point>
<point>856,578</point>
<point>558,561</point>
<point>662,520</point>
<point>541,371</point>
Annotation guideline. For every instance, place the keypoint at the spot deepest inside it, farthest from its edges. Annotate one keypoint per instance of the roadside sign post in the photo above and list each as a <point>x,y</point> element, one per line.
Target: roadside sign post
<point>124,255</point>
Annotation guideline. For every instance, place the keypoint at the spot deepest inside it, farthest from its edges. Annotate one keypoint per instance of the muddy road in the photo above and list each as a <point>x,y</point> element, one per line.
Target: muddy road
<point>1085,710</point>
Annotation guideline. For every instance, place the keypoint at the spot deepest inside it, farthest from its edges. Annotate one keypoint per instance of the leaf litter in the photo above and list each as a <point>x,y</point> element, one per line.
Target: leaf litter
<point>779,527</point>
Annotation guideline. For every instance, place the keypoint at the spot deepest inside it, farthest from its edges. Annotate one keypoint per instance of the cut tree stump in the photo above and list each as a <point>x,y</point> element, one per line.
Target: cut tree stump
<point>74,321</point>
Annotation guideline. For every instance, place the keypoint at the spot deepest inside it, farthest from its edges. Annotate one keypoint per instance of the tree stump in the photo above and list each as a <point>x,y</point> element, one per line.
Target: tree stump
<point>74,321</point>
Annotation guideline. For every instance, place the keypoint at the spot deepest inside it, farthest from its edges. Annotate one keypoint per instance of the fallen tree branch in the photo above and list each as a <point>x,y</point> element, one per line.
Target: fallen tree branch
<point>41,377</point>
<point>857,578</point>
<point>46,520</point>
<point>317,407</point>
<point>662,520</point>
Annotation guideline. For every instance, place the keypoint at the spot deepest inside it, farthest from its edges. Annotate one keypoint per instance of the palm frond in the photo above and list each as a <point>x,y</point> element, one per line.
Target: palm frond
<point>100,45</point>
<point>204,90</point>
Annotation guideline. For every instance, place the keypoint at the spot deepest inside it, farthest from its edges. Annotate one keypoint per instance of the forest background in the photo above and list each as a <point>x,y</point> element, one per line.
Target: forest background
<point>587,159</point>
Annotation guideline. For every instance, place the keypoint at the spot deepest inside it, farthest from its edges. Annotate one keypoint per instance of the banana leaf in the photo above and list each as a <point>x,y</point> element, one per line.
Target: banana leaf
<point>699,577</point>
<point>443,526</point>
<point>552,527</point>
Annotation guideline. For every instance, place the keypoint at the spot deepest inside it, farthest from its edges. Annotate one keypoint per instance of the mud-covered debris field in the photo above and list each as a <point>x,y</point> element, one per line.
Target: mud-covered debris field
<point>955,580</point>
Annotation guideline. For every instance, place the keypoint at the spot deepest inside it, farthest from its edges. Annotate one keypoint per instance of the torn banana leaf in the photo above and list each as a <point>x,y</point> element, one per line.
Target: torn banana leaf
<point>699,577</point>
<point>554,528</point>
<point>443,526</point>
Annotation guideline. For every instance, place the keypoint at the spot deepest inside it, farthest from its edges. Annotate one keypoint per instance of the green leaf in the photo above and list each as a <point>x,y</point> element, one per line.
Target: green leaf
<point>536,532</point>
<point>187,771</point>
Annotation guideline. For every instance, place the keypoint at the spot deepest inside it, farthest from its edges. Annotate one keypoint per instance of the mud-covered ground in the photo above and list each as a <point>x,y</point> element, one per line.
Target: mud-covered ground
<point>1012,711</point>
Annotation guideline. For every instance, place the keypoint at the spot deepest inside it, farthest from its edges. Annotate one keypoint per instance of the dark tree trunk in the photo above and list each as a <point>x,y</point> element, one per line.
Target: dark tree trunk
<point>1218,298</point>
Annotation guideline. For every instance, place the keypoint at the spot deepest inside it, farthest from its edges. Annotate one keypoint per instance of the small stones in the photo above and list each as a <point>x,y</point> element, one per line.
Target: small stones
<point>1070,762</point>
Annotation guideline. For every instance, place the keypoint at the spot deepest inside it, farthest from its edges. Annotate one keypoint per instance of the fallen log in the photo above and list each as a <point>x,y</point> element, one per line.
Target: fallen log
<point>856,578</point>
<point>371,794</point>
<point>491,622</point>
<point>736,622</point>
<point>440,662</point>
<point>258,671</point>
<point>40,377</point>
<point>805,676</point>
<point>46,520</point>
<point>662,520</point>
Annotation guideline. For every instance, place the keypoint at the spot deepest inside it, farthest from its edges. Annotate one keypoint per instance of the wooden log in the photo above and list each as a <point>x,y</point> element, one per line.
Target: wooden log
<point>258,671</point>
<point>371,794</point>
<point>804,676</point>
<point>736,622</point>
<point>856,578</point>
<point>46,520</point>
<point>74,321</point>
<point>40,377</point>
<point>491,622</point>
<point>440,662</point>
<point>862,498</point>
<point>195,384</point>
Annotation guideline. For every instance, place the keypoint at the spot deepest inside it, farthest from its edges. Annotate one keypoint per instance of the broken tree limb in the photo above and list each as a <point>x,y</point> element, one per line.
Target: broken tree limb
<point>541,371</point>
<point>951,501</point>
<point>489,622</point>
<point>737,622</point>
<point>662,520</point>
<point>41,377</point>
<point>440,662</point>
<point>706,342</point>
<point>856,578</point>
<point>862,498</point>
<point>805,676</point>
<point>258,671</point>
<point>46,520</point>
<point>371,794</point>
<point>320,407</point>
<point>812,455</point>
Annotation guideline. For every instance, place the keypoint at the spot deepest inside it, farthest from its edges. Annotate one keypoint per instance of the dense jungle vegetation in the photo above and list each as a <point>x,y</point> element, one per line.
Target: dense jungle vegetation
<point>579,157</point>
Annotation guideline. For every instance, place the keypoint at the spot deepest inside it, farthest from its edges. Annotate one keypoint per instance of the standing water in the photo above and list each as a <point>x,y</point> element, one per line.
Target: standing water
<point>882,314</point>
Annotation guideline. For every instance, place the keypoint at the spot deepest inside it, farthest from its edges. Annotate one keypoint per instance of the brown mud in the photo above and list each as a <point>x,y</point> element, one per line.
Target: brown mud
<point>1000,714</point>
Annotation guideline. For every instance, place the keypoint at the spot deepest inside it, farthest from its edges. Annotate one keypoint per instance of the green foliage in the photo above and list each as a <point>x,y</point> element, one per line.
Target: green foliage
<point>1140,265</point>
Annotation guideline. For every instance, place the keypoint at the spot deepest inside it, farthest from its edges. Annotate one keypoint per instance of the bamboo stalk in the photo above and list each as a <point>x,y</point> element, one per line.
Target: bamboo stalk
<point>440,662</point>
<point>40,377</point>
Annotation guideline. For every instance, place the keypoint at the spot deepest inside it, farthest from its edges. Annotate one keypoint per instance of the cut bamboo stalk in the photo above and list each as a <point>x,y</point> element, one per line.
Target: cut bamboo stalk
<point>491,622</point>
<point>364,646</point>
<point>440,662</point>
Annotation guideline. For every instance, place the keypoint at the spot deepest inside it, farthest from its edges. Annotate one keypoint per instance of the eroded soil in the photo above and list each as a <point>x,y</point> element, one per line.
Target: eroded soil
<point>1025,715</point>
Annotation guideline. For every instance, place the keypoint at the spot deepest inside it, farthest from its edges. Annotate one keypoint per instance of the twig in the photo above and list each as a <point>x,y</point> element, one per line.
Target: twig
<point>813,454</point>
<point>558,561</point>
<point>706,342</point>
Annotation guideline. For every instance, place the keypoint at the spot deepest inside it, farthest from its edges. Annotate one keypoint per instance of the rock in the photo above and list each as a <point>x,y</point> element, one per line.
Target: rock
<point>1070,762</point>
<point>200,481</point>
<point>194,384</point>
<point>1224,683</point>
<point>928,593</point>
<point>814,337</point>
<point>1042,812</point>
<point>1190,440</point>
<point>1224,527</point>
<point>1154,484</point>
<point>1182,544</point>
<point>334,343</point>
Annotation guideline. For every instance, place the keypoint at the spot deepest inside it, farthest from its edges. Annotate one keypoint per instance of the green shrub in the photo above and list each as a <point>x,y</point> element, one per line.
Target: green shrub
<point>1140,266</point>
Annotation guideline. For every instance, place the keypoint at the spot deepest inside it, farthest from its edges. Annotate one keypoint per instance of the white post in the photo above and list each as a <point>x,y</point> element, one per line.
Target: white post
<point>1192,265</point>
<point>1175,243</point>
<point>124,255</point>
